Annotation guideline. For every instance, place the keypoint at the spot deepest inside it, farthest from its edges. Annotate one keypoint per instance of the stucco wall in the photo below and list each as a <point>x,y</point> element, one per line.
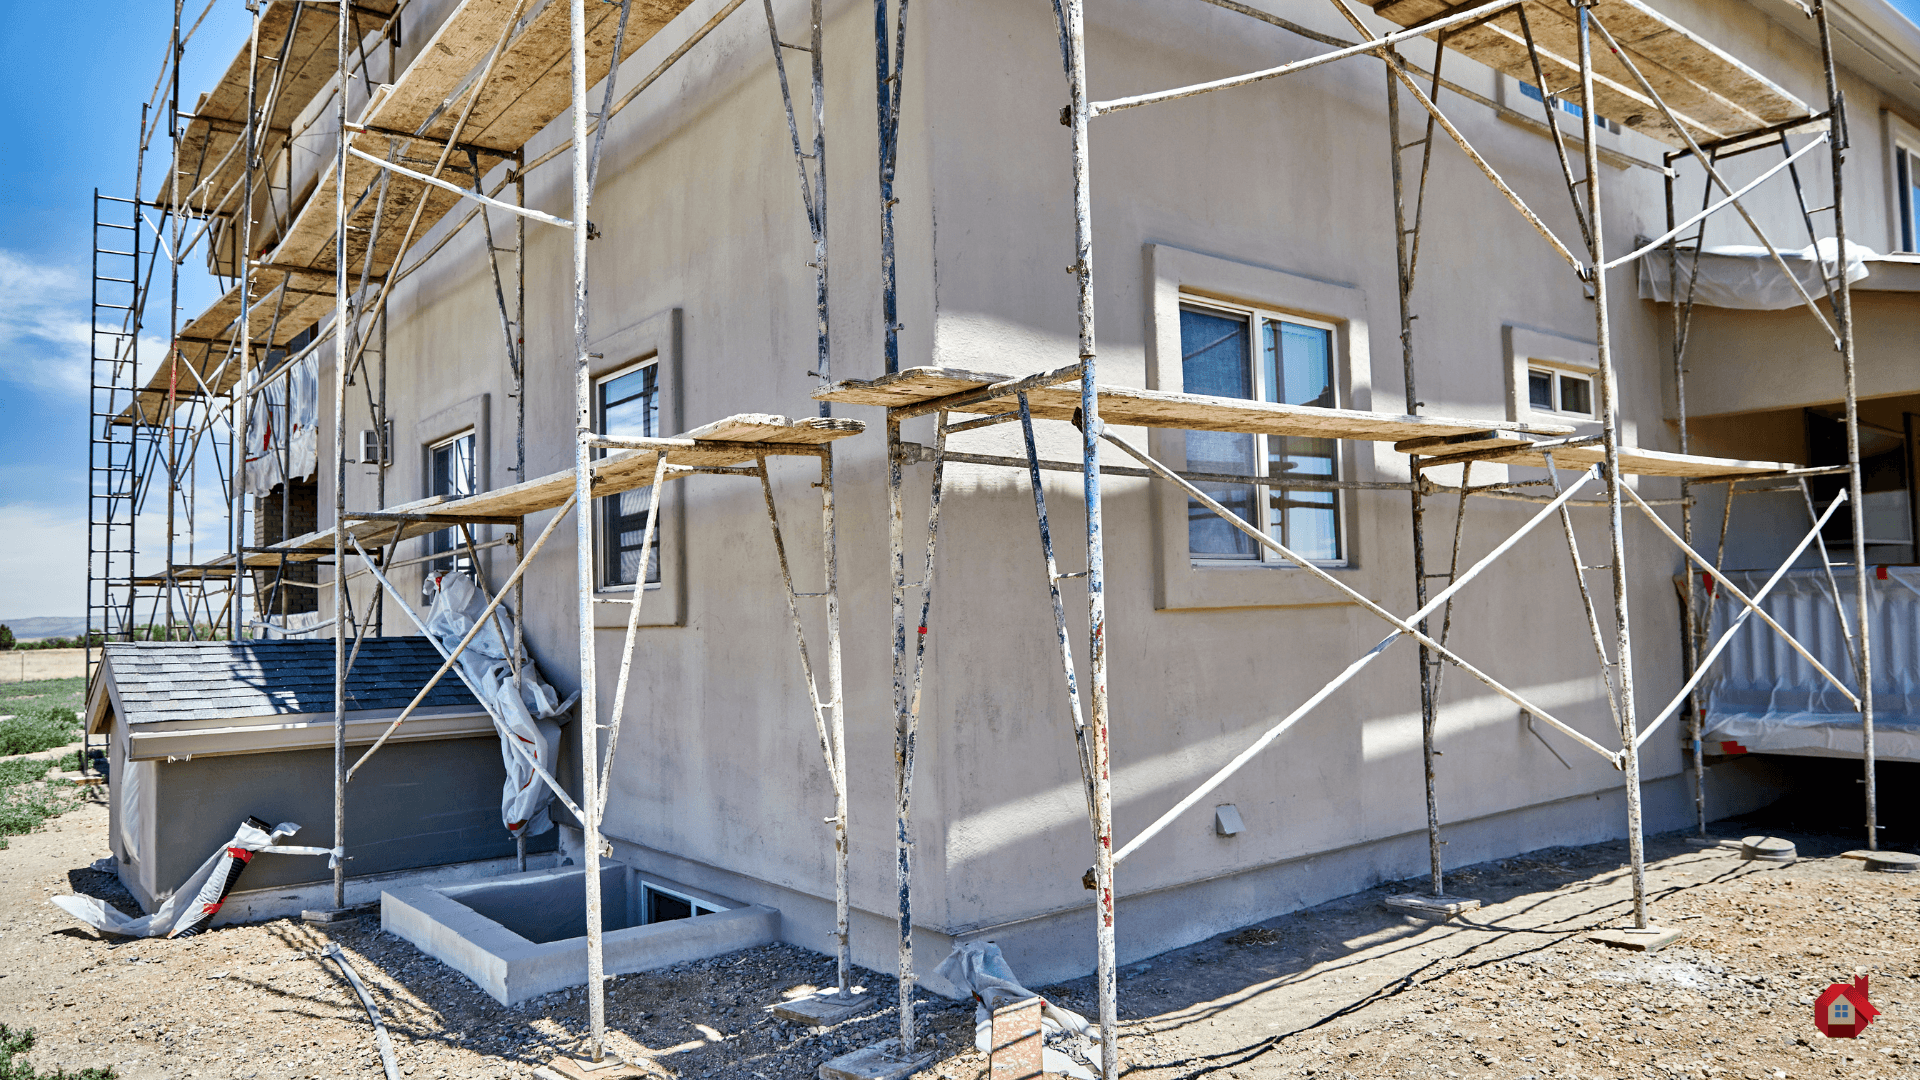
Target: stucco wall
<point>699,214</point>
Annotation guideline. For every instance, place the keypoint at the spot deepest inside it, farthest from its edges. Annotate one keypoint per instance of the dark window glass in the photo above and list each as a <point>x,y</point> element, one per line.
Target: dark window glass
<point>1299,370</point>
<point>1540,389</point>
<point>1576,395</point>
<point>664,907</point>
<point>1216,361</point>
<point>629,405</point>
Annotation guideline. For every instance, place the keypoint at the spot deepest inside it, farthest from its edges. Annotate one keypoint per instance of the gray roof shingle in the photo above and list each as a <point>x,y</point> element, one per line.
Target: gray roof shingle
<point>206,680</point>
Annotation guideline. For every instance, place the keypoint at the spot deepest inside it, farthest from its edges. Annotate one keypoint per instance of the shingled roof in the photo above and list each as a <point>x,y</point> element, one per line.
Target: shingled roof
<point>159,681</point>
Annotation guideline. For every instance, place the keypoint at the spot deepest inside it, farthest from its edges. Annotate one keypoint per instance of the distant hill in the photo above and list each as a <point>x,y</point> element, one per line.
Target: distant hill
<point>45,627</point>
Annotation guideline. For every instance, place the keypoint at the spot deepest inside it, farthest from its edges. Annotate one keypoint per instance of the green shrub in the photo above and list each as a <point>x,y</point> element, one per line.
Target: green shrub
<point>13,1044</point>
<point>42,725</point>
<point>26,802</point>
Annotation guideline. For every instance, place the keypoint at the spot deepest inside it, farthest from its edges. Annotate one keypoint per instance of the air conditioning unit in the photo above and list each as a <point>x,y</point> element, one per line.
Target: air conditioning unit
<point>370,446</point>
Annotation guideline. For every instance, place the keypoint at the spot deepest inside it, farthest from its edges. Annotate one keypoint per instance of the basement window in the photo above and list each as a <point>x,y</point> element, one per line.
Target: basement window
<point>1557,390</point>
<point>664,905</point>
<point>1229,351</point>
<point>628,403</point>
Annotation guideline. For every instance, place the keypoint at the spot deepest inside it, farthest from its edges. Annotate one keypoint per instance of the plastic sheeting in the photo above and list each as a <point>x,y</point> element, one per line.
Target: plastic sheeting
<point>194,904</point>
<point>530,714</point>
<point>1768,699</point>
<point>1070,1044</point>
<point>1745,276</point>
<point>281,440</point>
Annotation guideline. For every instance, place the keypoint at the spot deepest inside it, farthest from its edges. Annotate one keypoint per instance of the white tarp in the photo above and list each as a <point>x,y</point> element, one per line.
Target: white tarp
<point>1069,1044</point>
<point>300,626</point>
<point>281,440</point>
<point>530,715</point>
<point>1767,698</point>
<point>198,899</point>
<point>1745,276</point>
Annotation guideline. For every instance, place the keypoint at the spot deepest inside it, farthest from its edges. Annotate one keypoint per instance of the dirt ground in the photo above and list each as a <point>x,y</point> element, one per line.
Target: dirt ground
<point>31,665</point>
<point>1345,990</point>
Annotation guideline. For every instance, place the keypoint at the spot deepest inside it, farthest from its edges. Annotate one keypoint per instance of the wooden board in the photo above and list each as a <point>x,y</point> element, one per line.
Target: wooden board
<point>208,177</point>
<point>527,90</point>
<point>1713,94</point>
<point>1638,462</point>
<point>205,350</point>
<point>735,440</point>
<point>1128,406</point>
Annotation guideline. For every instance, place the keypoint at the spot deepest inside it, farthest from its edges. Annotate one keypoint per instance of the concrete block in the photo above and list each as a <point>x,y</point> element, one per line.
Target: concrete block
<point>1892,862</point>
<point>1437,908</point>
<point>1652,939</point>
<point>881,1061</point>
<point>1014,1053</point>
<point>1768,849</point>
<point>512,968</point>
<point>821,1009</point>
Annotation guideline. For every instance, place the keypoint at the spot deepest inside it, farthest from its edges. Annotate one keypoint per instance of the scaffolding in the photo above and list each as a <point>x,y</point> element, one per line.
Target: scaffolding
<point>415,145</point>
<point>1664,82</point>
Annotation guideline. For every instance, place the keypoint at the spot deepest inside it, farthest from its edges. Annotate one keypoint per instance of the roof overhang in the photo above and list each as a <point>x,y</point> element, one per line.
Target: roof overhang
<point>226,737</point>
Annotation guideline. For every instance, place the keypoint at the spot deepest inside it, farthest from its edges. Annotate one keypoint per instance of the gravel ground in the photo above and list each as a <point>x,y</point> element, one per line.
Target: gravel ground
<point>1345,990</point>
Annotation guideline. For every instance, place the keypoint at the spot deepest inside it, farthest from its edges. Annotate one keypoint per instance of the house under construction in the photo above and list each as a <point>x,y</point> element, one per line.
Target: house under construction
<point>961,473</point>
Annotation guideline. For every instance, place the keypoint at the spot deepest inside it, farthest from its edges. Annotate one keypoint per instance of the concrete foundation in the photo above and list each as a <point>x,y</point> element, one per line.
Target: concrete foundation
<point>290,901</point>
<point>523,935</point>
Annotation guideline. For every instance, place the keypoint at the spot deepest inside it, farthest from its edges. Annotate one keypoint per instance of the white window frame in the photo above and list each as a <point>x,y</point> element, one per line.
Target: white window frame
<point>602,555</point>
<point>1559,372</point>
<point>1902,179</point>
<point>455,549</point>
<point>1257,318</point>
<point>697,906</point>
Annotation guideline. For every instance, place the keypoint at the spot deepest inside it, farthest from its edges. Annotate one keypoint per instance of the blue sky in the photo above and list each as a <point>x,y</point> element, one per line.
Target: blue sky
<point>75,77</point>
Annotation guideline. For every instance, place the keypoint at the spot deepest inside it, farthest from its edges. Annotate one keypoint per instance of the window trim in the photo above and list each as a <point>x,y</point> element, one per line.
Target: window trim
<point>1903,220</point>
<point>1257,318</point>
<point>601,524</point>
<point>452,551</point>
<point>1178,585</point>
<point>467,414</point>
<point>658,335</point>
<point>1562,371</point>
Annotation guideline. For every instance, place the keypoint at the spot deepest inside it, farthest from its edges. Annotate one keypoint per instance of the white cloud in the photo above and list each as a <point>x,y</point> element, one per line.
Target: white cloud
<point>43,564</point>
<point>44,325</point>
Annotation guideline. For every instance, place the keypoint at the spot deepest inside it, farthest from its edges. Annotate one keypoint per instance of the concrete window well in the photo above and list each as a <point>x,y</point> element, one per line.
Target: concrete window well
<point>523,935</point>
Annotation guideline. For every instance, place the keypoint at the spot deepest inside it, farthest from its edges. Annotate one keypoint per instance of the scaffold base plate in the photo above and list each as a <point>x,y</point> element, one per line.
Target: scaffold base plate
<point>821,1009</point>
<point>881,1061</point>
<point>1438,908</point>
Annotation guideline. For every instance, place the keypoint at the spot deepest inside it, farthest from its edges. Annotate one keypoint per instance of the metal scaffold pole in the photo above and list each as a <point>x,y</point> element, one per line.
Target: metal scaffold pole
<point>1405,247</point>
<point>243,260</point>
<point>583,521</point>
<point>1100,750</point>
<point>342,352</point>
<point>1842,291</point>
<point>1610,430</point>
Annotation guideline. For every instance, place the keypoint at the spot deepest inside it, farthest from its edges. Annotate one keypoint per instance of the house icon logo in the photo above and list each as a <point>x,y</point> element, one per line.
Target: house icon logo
<point>1843,1011</point>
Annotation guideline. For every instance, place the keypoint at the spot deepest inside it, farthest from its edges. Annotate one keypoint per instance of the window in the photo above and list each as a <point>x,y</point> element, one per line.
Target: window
<point>1570,106</point>
<point>628,403</point>
<point>1560,391</point>
<point>660,905</point>
<point>1907,180</point>
<point>1295,367</point>
<point>450,471</point>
